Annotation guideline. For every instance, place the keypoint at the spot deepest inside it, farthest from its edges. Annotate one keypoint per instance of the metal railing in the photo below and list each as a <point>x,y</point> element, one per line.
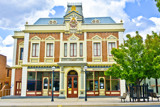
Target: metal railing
<point>5,92</point>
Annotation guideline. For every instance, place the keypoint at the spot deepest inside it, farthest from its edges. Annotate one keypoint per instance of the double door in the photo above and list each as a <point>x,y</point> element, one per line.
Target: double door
<point>72,86</point>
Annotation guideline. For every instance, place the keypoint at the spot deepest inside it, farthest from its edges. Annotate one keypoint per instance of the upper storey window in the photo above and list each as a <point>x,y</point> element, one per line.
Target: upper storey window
<point>95,21</point>
<point>52,22</point>
<point>65,50</point>
<point>49,50</point>
<point>35,49</point>
<point>73,49</point>
<point>21,53</point>
<point>97,49</point>
<point>110,46</point>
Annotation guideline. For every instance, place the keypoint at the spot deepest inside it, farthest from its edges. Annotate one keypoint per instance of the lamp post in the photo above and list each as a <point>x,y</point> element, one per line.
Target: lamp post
<point>53,68</point>
<point>85,69</point>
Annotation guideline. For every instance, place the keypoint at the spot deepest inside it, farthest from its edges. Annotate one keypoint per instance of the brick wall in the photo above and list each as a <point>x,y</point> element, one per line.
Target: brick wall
<point>103,35</point>
<point>2,69</point>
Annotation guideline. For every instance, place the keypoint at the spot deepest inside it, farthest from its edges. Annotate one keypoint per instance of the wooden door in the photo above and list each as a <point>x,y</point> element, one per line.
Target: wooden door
<point>45,86</point>
<point>101,86</point>
<point>72,86</point>
<point>18,88</point>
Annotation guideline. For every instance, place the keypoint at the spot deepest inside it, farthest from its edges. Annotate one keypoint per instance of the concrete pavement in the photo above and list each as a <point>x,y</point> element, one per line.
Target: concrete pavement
<point>74,102</point>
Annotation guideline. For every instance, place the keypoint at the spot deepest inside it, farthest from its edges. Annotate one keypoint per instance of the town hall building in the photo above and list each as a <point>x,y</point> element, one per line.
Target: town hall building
<point>69,44</point>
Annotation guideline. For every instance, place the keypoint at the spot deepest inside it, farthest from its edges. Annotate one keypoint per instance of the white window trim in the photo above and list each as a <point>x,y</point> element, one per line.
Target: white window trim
<point>21,45</point>
<point>46,48</point>
<point>32,42</point>
<point>96,41</point>
<point>109,41</point>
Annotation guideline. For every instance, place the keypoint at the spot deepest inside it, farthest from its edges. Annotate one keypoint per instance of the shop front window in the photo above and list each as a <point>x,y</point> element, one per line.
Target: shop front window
<point>90,80</point>
<point>115,85</point>
<point>39,81</point>
<point>31,81</point>
<point>56,81</point>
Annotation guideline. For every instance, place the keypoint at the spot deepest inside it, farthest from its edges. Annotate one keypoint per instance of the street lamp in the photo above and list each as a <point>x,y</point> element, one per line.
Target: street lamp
<point>53,68</point>
<point>85,69</point>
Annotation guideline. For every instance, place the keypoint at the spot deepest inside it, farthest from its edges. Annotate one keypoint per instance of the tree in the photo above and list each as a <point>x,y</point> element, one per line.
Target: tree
<point>152,44</point>
<point>158,4</point>
<point>129,60</point>
<point>137,60</point>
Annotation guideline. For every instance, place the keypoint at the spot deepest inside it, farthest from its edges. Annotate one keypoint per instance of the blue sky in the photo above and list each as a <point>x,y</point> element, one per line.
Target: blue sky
<point>137,15</point>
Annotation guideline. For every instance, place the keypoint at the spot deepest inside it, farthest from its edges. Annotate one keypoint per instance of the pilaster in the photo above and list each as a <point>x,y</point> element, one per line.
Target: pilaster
<point>13,64</point>
<point>24,81</point>
<point>122,86</point>
<point>120,34</point>
<point>24,69</point>
<point>85,47</point>
<point>12,81</point>
<point>62,90</point>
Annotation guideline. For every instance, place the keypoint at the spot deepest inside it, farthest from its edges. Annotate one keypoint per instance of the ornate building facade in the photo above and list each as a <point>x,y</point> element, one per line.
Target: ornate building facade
<point>68,44</point>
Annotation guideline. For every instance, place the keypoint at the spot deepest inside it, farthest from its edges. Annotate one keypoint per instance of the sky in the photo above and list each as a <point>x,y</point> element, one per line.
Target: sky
<point>137,15</point>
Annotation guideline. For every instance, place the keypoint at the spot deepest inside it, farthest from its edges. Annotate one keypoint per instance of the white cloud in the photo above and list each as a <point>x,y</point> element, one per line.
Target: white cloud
<point>155,20</point>
<point>8,40</point>
<point>15,13</point>
<point>7,50</point>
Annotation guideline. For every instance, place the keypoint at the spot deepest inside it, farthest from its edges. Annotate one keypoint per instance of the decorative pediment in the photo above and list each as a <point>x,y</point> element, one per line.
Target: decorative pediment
<point>111,37</point>
<point>73,14</point>
<point>21,43</point>
<point>96,37</point>
<point>73,38</point>
<point>50,38</point>
<point>35,38</point>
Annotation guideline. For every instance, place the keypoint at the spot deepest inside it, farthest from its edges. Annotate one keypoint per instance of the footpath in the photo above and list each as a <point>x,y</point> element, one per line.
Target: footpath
<point>71,102</point>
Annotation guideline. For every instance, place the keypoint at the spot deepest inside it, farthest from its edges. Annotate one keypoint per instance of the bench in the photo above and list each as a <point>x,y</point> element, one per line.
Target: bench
<point>154,95</point>
<point>123,97</point>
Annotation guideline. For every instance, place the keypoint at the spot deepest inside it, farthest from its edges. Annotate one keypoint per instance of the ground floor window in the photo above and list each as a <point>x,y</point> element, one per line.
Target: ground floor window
<point>35,81</point>
<point>95,82</point>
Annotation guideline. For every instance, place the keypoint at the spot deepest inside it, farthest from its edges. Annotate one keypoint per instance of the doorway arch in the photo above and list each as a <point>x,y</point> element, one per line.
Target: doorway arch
<point>72,84</point>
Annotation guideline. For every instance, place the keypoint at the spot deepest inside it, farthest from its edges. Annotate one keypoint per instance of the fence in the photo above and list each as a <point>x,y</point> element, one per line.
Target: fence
<point>4,92</point>
<point>138,92</point>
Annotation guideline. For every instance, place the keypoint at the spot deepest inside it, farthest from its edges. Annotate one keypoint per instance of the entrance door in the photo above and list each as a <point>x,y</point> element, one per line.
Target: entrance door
<point>101,86</point>
<point>45,86</point>
<point>72,84</point>
<point>18,87</point>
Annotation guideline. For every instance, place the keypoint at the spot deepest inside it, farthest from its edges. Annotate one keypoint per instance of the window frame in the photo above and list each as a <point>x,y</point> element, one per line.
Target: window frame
<point>96,55</point>
<point>73,50</point>
<point>49,49</point>
<point>65,50</point>
<point>81,50</point>
<point>109,54</point>
<point>36,49</point>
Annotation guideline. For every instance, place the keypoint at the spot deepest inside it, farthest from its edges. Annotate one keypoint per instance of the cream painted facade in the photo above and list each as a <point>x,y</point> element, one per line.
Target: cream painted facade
<point>32,75</point>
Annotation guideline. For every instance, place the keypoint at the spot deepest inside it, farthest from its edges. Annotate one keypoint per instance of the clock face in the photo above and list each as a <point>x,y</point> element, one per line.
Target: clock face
<point>73,23</point>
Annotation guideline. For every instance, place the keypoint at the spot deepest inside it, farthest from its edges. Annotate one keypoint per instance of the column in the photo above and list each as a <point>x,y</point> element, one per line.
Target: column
<point>13,64</point>
<point>24,69</point>
<point>24,81</point>
<point>122,86</point>
<point>85,47</point>
<point>120,34</point>
<point>62,90</point>
<point>82,85</point>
